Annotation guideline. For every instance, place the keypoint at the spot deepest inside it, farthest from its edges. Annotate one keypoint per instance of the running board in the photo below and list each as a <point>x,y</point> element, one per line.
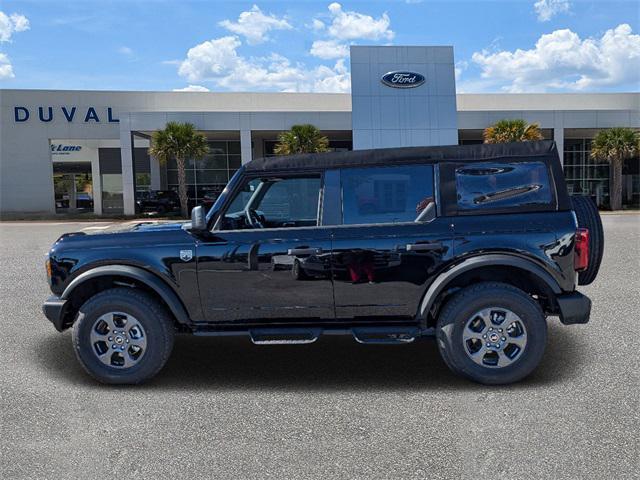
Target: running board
<point>294,335</point>
<point>284,336</point>
<point>385,335</point>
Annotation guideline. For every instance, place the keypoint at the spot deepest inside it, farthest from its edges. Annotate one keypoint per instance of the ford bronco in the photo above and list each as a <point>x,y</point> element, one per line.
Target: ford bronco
<point>475,245</point>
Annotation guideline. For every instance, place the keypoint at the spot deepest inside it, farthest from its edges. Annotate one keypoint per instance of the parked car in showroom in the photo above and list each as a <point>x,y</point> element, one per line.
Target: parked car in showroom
<point>476,245</point>
<point>160,202</point>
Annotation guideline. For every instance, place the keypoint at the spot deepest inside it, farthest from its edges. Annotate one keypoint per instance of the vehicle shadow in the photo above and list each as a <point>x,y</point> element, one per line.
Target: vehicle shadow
<point>332,363</point>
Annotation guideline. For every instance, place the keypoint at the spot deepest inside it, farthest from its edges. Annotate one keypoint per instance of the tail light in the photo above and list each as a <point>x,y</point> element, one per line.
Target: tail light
<point>581,256</point>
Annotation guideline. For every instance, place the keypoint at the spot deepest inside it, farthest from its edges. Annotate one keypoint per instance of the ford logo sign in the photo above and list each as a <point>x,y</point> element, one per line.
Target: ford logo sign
<point>402,79</point>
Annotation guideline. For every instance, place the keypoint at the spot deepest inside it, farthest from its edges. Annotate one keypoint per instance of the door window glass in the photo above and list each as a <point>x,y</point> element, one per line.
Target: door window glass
<point>275,203</point>
<point>499,185</point>
<point>385,194</point>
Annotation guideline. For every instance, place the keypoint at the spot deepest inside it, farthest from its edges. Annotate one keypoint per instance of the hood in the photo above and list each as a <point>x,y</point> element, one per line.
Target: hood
<point>134,226</point>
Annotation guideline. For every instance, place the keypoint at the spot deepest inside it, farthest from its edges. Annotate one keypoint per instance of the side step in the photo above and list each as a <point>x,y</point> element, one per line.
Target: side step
<point>385,335</point>
<point>284,336</point>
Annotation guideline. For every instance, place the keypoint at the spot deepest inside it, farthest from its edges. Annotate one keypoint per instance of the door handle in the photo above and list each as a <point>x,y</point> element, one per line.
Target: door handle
<point>304,251</point>
<point>424,247</point>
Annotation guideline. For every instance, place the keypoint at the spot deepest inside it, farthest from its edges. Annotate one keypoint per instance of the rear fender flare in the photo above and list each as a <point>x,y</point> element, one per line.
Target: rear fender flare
<point>441,282</point>
<point>168,295</point>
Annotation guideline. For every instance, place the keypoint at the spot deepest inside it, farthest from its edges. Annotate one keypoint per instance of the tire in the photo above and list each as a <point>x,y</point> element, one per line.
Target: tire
<point>589,217</point>
<point>144,316</point>
<point>494,297</point>
<point>298,271</point>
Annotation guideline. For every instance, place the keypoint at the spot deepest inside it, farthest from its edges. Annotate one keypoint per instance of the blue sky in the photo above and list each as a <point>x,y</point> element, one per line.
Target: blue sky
<point>500,46</point>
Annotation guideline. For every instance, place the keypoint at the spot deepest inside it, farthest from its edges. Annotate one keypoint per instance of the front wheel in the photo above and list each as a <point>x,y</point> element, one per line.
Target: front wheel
<point>492,333</point>
<point>122,335</point>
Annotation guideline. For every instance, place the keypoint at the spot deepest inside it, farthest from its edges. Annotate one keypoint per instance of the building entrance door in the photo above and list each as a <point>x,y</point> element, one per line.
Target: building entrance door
<point>73,187</point>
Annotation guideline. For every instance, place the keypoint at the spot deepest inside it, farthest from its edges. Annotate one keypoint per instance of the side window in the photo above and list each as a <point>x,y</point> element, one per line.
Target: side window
<point>385,194</point>
<point>274,203</point>
<point>291,202</point>
<point>484,186</point>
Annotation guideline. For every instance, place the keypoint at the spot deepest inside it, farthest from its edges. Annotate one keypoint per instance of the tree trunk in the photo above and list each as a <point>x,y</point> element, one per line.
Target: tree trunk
<point>616,189</point>
<point>182,187</point>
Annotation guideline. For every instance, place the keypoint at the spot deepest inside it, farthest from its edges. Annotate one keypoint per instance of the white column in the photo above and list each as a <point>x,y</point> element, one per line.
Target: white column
<point>245,146</point>
<point>96,182</point>
<point>126,156</point>
<point>154,165</point>
<point>558,136</point>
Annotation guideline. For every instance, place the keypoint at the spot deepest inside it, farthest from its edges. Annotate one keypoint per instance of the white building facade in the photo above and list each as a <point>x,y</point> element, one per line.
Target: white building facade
<point>86,151</point>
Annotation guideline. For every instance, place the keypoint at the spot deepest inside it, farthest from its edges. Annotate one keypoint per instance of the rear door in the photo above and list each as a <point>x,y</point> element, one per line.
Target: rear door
<point>391,243</point>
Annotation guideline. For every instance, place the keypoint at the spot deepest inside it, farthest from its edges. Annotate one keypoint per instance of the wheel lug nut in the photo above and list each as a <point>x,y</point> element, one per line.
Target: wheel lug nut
<point>113,346</point>
<point>110,338</point>
<point>122,348</point>
<point>504,339</point>
<point>488,344</point>
<point>500,330</point>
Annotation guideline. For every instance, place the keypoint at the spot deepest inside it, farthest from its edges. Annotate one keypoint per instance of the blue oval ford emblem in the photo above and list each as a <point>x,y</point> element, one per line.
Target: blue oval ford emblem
<point>402,79</point>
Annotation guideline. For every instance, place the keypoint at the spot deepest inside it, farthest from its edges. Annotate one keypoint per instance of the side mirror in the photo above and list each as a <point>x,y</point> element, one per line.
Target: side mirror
<point>198,220</point>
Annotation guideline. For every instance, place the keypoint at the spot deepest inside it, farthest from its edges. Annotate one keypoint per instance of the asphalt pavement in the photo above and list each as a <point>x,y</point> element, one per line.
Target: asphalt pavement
<point>223,408</point>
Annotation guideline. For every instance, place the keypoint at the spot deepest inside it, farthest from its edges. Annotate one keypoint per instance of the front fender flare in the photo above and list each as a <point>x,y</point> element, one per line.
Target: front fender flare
<point>441,282</point>
<point>158,285</point>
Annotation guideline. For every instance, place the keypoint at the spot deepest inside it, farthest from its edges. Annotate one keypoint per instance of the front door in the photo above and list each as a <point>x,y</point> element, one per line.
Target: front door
<point>268,259</point>
<point>391,243</point>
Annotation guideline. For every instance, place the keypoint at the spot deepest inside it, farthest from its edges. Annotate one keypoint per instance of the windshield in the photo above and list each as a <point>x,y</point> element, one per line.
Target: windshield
<point>225,193</point>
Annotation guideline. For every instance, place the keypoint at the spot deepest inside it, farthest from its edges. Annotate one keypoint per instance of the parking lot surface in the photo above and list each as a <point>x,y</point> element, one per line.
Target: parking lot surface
<point>223,408</point>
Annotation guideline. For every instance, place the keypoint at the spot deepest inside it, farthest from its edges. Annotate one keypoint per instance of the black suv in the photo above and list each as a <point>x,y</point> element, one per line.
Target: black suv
<point>158,201</point>
<point>476,245</point>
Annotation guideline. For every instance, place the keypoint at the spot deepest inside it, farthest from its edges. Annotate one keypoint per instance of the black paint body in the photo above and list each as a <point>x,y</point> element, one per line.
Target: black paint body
<point>330,274</point>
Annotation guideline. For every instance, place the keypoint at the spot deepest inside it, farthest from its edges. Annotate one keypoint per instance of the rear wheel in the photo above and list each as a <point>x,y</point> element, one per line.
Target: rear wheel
<point>589,217</point>
<point>492,333</point>
<point>122,335</point>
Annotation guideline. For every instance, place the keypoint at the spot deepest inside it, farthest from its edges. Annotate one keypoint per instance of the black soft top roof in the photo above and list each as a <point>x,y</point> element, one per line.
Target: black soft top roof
<point>386,156</point>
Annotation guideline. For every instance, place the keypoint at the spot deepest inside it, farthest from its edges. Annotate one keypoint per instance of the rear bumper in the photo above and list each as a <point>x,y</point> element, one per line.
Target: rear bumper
<point>54,310</point>
<point>574,308</point>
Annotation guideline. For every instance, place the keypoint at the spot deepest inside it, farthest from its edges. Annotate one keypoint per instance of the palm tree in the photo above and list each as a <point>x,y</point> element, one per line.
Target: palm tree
<point>505,131</point>
<point>301,139</point>
<point>182,142</point>
<point>615,145</point>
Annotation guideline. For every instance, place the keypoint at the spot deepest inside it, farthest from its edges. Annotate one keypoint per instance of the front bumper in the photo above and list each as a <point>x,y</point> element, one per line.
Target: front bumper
<point>54,308</point>
<point>574,308</point>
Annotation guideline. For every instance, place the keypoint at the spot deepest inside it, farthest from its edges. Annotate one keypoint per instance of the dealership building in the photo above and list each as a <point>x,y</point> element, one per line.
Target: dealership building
<point>77,151</point>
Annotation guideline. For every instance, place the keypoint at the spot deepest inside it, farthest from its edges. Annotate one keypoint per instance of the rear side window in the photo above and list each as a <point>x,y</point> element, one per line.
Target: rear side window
<point>385,194</point>
<point>487,186</point>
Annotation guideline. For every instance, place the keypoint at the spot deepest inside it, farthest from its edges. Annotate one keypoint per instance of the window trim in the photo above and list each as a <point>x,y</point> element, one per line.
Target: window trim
<point>436,194</point>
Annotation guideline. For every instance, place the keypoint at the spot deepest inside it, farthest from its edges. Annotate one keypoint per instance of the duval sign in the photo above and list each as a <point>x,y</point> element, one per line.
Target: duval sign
<point>67,113</point>
<point>401,79</point>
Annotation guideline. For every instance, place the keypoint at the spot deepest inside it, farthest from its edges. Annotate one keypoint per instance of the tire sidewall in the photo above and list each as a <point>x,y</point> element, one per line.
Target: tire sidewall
<point>154,355</point>
<point>451,329</point>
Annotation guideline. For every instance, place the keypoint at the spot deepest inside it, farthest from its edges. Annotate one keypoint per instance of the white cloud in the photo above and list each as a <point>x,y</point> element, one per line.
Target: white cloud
<point>125,51</point>
<point>561,60</point>
<point>317,25</point>
<point>328,49</point>
<point>254,25</point>
<point>6,69</point>
<point>192,88</point>
<point>219,62</point>
<point>547,9</point>
<point>210,59</point>
<point>347,25</point>
<point>10,24</point>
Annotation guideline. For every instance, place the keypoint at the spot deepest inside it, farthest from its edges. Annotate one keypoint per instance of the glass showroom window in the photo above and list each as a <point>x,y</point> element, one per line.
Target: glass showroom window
<point>584,175</point>
<point>207,177</point>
